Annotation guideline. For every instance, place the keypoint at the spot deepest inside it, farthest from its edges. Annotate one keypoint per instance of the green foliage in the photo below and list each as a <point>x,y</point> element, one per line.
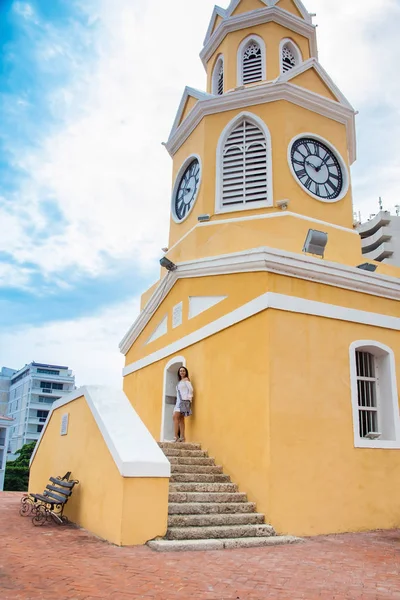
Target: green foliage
<point>17,471</point>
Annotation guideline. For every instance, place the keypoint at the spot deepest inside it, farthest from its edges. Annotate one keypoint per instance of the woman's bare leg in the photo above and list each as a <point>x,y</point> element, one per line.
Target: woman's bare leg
<point>177,422</point>
<point>182,427</point>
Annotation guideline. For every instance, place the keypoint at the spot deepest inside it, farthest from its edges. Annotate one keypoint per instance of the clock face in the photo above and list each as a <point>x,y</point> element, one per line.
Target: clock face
<point>187,189</point>
<point>317,168</point>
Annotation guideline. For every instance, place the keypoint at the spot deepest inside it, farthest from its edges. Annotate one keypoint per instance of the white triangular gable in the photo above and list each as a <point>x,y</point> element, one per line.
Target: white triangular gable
<point>199,304</point>
<point>217,12</point>
<point>312,63</point>
<point>189,92</point>
<point>270,4</point>
<point>160,331</point>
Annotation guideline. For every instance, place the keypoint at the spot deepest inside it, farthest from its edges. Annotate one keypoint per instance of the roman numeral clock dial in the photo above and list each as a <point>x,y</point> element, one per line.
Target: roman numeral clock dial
<point>186,190</point>
<point>318,169</point>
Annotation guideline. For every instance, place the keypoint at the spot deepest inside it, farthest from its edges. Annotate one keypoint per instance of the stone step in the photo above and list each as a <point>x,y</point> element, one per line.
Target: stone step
<point>189,460</point>
<point>196,469</point>
<point>206,508</point>
<point>216,519</point>
<point>199,478</point>
<point>203,487</point>
<point>217,532</point>
<point>162,545</point>
<point>206,497</point>
<point>189,453</point>
<point>179,446</point>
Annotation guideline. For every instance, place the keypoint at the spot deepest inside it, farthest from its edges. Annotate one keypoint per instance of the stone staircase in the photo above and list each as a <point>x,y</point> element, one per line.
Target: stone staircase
<point>206,510</point>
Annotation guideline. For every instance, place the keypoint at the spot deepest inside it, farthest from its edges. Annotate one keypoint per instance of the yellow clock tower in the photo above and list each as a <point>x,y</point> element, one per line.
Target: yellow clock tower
<point>291,339</point>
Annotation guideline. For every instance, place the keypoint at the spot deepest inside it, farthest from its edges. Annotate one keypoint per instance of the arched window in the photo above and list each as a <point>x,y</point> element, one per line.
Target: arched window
<point>376,419</point>
<point>244,173</point>
<point>251,61</point>
<point>218,77</point>
<point>290,55</point>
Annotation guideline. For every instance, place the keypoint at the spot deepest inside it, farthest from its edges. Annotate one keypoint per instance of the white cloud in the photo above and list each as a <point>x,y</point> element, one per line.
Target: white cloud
<point>88,345</point>
<point>106,167</point>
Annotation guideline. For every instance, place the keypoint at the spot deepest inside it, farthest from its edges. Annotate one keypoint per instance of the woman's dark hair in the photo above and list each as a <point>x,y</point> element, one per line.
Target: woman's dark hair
<point>179,374</point>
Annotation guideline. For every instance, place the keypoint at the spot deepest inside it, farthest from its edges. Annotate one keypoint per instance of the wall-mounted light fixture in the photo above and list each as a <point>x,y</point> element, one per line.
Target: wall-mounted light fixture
<point>168,264</point>
<point>316,242</point>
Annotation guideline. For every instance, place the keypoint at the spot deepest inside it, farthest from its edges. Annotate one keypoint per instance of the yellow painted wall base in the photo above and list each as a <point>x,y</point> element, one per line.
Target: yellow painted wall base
<point>122,510</point>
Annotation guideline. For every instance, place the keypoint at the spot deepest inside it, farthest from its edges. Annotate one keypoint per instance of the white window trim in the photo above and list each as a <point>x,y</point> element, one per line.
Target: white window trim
<point>219,208</point>
<point>345,171</point>
<point>259,40</point>
<point>370,346</point>
<point>177,182</point>
<point>295,49</point>
<point>214,80</point>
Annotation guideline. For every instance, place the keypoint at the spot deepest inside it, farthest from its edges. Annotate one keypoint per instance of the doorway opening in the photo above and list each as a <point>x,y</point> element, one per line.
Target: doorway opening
<point>169,397</point>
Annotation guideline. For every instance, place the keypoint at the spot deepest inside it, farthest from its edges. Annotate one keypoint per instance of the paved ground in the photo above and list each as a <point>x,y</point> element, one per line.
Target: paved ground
<point>52,563</point>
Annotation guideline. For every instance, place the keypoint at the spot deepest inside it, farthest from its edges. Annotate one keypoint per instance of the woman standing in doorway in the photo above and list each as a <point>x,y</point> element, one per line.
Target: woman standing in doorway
<point>183,407</point>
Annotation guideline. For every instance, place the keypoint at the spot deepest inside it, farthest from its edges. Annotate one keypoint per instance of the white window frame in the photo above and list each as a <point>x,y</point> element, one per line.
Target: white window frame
<point>258,40</point>
<point>294,48</point>
<point>215,75</point>
<point>387,395</point>
<point>219,208</point>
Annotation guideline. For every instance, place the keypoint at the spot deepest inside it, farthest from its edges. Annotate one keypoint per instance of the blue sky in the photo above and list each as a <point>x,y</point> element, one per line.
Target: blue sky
<point>84,180</point>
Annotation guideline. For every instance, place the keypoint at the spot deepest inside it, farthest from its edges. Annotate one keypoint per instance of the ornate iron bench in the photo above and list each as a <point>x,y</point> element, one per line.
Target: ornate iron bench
<point>49,506</point>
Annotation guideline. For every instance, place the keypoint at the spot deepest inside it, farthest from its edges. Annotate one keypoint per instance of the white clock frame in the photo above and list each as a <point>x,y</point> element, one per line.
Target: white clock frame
<point>335,151</point>
<point>178,178</point>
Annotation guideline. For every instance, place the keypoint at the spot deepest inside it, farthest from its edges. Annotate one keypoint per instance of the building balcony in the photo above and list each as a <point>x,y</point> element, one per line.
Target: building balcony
<point>382,219</point>
<point>372,242</point>
<point>37,421</point>
<point>381,252</point>
<point>49,392</point>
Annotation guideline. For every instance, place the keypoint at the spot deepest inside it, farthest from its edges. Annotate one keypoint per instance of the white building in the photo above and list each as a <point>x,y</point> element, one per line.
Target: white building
<point>5,382</point>
<point>5,430</point>
<point>380,238</point>
<point>31,393</point>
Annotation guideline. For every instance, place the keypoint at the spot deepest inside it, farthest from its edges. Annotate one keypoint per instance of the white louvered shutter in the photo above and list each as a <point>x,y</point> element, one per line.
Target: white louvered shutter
<point>220,80</point>
<point>288,59</point>
<point>244,176</point>
<point>252,63</point>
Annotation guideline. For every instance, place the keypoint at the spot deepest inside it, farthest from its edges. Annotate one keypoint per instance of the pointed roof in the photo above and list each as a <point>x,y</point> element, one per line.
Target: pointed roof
<point>217,12</point>
<point>288,13</point>
<point>187,94</point>
<point>270,4</point>
<point>312,63</point>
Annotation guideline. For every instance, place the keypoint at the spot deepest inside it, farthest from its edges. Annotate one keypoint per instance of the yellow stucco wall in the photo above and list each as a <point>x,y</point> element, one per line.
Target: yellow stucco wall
<point>310,80</point>
<point>272,405</point>
<point>231,402</point>
<point>284,121</point>
<point>320,483</point>
<point>240,289</point>
<point>100,502</point>
<point>272,34</point>
<point>190,104</point>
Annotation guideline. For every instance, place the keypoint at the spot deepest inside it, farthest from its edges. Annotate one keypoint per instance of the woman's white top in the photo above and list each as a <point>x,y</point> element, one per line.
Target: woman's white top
<point>186,390</point>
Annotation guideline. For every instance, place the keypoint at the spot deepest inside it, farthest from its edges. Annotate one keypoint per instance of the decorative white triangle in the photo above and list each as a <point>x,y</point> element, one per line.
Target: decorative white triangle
<point>199,304</point>
<point>160,331</point>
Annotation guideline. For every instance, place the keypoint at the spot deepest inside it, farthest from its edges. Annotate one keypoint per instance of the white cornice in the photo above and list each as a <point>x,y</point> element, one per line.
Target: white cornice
<point>258,17</point>
<point>272,261</point>
<point>267,301</point>
<point>312,63</point>
<point>262,94</point>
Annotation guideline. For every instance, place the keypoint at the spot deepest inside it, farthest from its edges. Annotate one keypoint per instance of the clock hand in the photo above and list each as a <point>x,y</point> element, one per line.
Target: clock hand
<point>325,160</point>
<point>310,164</point>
